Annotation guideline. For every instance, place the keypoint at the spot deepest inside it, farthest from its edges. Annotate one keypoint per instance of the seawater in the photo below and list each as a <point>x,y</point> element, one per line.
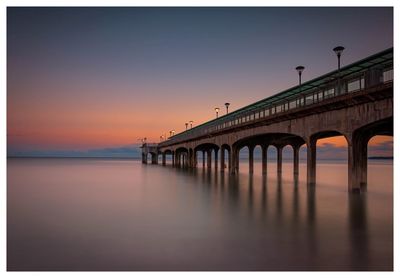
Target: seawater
<point>116,214</point>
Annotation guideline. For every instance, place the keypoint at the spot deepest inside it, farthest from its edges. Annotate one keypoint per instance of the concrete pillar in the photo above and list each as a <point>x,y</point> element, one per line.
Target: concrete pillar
<point>204,159</point>
<point>190,158</point>
<point>229,160</point>
<point>178,159</point>
<point>222,166</point>
<point>311,161</point>
<point>194,159</point>
<point>216,159</point>
<point>357,163</point>
<point>144,158</point>
<point>296,160</point>
<point>173,158</point>
<point>264,157</point>
<point>154,158</point>
<point>234,161</point>
<point>251,159</point>
<point>209,158</point>
<point>279,160</point>
<point>164,159</point>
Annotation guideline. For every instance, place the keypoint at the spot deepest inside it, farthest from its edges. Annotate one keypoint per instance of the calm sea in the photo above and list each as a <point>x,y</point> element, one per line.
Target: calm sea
<point>110,214</point>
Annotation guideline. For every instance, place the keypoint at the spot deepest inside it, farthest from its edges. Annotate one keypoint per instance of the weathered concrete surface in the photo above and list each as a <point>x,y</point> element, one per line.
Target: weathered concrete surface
<point>357,116</point>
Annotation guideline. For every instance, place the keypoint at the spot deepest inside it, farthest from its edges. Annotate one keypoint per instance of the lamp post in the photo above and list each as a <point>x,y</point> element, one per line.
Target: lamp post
<point>338,50</point>
<point>300,71</point>
<point>186,124</point>
<point>170,133</point>
<point>227,107</point>
<point>191,124</point>
<point>173,132</point>
<point>216,111</point>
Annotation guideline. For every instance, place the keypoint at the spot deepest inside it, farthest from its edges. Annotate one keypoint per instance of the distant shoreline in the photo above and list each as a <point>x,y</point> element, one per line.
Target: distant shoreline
<point>75,157</point>
<point>138,158</point>
<point>381,157</point>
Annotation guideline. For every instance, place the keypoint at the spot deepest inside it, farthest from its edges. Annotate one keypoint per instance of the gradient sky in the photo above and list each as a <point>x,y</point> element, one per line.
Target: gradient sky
<point>94,78</point>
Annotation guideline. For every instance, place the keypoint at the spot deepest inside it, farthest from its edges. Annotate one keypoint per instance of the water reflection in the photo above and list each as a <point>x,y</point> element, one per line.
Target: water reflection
<point>358,231</point>
<point>165,218</point>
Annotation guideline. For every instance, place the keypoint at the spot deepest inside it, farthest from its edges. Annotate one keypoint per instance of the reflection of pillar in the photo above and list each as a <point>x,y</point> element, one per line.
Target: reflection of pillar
<point>222,166</point>
<point>358,231</point>
<point>296,160</point>
<point>209,158</point>
<point>311,160</point>
<point>204,159</point>
<point>279,159</point>
<point>216,159</point>
<point>164,159</point>
<point>357,162</point>
<point>251,159</point>
<point>264,157</point>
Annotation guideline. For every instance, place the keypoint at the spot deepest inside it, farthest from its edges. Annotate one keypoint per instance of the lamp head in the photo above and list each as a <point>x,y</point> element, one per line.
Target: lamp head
<point>338,50</point>
<point>300,69</point>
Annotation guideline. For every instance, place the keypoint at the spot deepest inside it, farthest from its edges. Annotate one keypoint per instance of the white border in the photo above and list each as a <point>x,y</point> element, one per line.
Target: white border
<point>281,3</point>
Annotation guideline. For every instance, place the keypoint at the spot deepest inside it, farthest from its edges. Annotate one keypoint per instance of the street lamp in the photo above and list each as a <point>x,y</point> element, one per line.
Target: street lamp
<point>173,132</point>
<point>216,111</point>
<point>186,124</point>
<point>338,50</point>
<point>191,124</point>
<point>170,133</point>
<point>227,107</point>
<point>300,70</point>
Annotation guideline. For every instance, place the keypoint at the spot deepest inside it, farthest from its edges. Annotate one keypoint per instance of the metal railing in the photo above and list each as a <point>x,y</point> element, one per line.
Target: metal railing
<point>367,73</point>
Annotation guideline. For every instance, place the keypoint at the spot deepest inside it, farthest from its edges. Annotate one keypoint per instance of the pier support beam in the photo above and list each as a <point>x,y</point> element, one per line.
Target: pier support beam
<point>194,159</point>
<point>251,159</point>
<point>234,161</point>
<point>204,159</point>
<point>222,162</point>
<point>264,157</point>
<point>279,159</point>
<point>216,159</point>
<point>296,150</point>
<point>209,159</point>
<point>357,162</point>
<point>154,158</point>
<point>311,161</point>
<point>164,159</point>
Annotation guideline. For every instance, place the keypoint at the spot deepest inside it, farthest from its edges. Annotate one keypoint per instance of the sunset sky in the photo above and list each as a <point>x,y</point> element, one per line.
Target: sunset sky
<point>84,79</point>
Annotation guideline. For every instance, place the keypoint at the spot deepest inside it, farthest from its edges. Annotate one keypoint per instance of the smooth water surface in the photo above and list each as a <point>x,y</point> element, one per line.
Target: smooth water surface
<point>108,214</point>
